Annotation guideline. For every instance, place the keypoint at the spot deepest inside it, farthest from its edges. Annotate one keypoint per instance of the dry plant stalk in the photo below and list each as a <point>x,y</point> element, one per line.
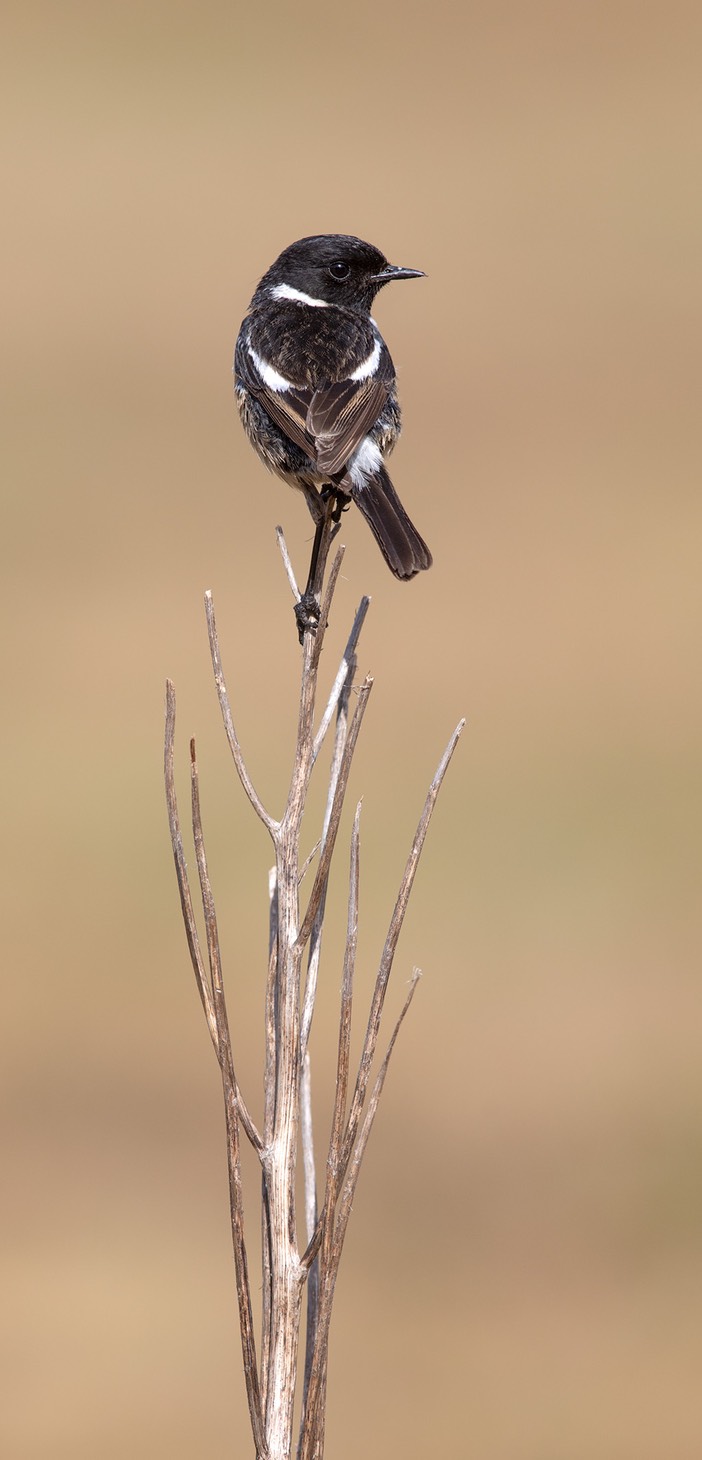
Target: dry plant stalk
<point>272,1374</point>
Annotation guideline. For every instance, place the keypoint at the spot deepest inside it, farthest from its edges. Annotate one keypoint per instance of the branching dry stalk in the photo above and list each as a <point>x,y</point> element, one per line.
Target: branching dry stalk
<point>271,1372</point>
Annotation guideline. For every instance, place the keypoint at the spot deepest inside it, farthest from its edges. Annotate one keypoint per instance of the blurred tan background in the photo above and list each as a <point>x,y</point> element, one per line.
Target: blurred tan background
<point>523,1278</point>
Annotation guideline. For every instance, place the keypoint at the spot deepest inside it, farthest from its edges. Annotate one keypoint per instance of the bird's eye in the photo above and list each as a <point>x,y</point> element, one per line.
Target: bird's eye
<point>339,270</point>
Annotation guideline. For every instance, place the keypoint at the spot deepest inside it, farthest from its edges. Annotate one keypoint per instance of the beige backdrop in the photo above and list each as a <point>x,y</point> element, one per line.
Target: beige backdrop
<point>524,1265</point>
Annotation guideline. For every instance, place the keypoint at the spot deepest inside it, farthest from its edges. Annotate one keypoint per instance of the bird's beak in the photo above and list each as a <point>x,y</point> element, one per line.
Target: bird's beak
<point>391,271</point>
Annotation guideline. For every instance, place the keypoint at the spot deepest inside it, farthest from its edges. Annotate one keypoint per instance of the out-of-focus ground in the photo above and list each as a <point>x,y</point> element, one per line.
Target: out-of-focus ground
<point>523,1279</point>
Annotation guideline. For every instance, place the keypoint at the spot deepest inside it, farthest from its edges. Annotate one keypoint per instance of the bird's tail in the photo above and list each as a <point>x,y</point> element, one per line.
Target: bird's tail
<point>405,552</point>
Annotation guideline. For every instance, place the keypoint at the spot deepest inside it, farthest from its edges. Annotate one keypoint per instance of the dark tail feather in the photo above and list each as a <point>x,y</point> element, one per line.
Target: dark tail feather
<point>405,552</point>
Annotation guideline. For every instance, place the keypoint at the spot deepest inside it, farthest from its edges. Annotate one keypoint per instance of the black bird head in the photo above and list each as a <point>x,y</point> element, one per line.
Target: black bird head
<point>330,268</point>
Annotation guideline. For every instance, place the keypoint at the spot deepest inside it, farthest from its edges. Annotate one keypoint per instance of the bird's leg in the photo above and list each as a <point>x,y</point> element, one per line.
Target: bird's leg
<point>329,506</point>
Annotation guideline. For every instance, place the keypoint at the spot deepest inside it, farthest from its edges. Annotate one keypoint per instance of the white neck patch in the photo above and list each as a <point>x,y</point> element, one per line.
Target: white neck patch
<point>286,291</point>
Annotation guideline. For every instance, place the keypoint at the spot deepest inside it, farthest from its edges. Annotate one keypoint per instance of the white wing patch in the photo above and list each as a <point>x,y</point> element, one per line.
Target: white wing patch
<point>365,462</point>
<point>271,377</point>
<point>369,365</point>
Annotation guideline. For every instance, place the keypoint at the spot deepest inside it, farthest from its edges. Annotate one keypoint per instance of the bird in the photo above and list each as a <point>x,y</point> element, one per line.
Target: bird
<point>316,391</point>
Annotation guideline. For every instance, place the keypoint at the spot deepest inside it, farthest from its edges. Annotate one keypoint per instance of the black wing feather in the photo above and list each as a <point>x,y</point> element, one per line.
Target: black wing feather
<point>328,424</point>
<point>340,415</point>
<point>288,409</point>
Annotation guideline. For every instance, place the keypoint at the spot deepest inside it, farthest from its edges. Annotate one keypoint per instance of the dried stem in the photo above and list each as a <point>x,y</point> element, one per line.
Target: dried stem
<point>345,673</point>
<point>329,842</point>
<point>186,901</point>
<point>235,1111</point>
<point>333,1233</point>
<point>391,942</point>
<point>287,563</point>
<point>342,1063</point>
<point>232,737</point>
<point>226,1058</point>
<point>271,1381</point>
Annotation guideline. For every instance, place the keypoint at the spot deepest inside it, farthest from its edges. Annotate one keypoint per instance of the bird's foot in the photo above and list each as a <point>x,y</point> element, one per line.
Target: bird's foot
<point>307,613</point>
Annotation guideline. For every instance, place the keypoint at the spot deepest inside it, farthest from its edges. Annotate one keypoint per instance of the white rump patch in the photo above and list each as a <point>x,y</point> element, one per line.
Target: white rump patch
<point>271,377</point>
<point>286,291</point>
<point>365,462</point>
<point>370,365</point>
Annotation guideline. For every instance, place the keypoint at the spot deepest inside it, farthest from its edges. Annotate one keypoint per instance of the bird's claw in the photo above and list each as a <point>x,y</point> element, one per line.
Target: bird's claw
<point>307,613</point>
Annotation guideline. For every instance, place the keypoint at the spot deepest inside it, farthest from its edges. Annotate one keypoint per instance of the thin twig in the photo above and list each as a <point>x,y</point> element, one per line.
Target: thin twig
<point>330,589</point>
<point>342,1063</point>
<point>307,1143</point>
<point>232,738</point>
<point>388,954</point>
<point>316,935</point>
<point>235,1110</point>
<point>186,901</point>
<point>290,822</point>
<point>311,1213</point>
<point>313,1423</point>
<point>268,1116</point>
<point>342,675</point>
<point>343,1055</point>
<point>215,957</point>
<point>349,1187</point>
<point>339,793</point>
<point>310,1181</point>
<point>308,861</point>
<point>270,1007</point>
<point>287,563</point>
